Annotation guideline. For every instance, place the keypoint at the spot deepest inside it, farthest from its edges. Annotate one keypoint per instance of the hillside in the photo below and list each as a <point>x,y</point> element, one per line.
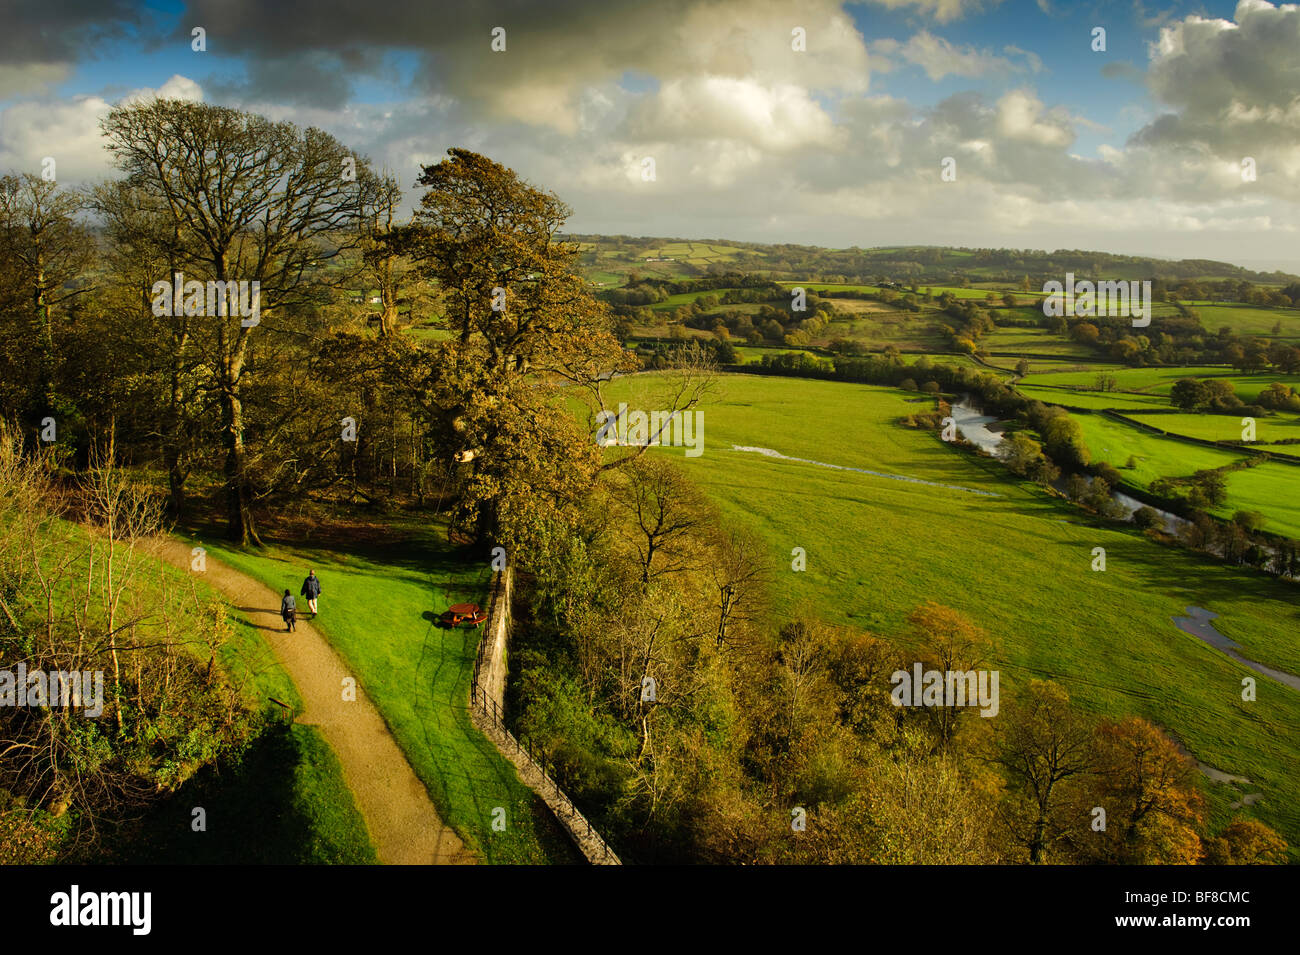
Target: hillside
<point>609,260</point>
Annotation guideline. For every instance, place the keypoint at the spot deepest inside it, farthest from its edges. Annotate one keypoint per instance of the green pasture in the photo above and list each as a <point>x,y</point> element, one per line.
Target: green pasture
<point>1225,427</point>
<point>1019,564</point>
<point>1159,381</point>
<point>1122,401</point>
<point>1250,320</point>
<point>686,298</point>
<point>1269,487</point>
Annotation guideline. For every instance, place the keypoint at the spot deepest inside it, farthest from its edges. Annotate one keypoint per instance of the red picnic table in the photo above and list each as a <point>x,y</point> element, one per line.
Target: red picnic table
<point>463,613</point>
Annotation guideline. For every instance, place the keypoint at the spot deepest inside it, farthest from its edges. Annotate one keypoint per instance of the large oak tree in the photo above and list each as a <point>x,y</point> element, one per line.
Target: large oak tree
<point>247,199</point>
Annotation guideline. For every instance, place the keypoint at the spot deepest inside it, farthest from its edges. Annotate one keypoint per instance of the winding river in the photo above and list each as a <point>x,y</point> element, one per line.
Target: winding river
<point>1197,623</point>
<point>973,425</point>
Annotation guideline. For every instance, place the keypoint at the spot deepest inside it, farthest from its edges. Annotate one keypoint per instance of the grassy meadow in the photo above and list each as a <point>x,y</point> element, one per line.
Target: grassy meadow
<point>1268,488</point>
<point>1225,427</point>
<point>1159,381</point>
<point>1018,564</point>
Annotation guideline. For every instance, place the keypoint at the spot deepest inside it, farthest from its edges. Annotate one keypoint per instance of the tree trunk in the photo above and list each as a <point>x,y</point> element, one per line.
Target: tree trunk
<point>175,478</point>
<point>172,451</point>
<point>45,320</point>
<point>172,454</point>
<point>240,526</point>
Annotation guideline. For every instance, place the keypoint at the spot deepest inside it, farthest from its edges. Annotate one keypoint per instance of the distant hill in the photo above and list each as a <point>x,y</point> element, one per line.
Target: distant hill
<point>608,260</point>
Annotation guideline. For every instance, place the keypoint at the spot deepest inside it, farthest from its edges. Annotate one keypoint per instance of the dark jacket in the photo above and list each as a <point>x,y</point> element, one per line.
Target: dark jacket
<point>311,588</point>
<point>287,606</point>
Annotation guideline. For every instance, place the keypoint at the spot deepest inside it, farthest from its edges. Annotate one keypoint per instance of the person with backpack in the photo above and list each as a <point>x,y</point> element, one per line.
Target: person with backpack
<point>288,610</point>
<point>311,590</point>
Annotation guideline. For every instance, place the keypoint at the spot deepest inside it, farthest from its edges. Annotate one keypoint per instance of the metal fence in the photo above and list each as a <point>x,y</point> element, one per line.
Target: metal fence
<point>523,754</point>
<point>568,814</point>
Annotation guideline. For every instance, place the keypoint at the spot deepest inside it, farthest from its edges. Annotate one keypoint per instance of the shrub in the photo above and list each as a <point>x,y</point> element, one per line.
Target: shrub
<point>1109,473</point>
<point>1147,518</point>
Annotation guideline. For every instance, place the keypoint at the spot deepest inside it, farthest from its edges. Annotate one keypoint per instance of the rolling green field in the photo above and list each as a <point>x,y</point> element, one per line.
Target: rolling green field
<point>936,290</point>
<point>1225,427</point>
<point>1018,564</point>
<point>753,354</point>
<point>696,253</point>
<point>1034,341</point>
<point>673,302</point>
<point>1157,456</point>
<point>1159,381</point>
<point>1151,380</point>
<point>377,610</point>
<point>1269,488</point>
<point>877,325</point>
<point>1248,320</point>
<point>1122,401</point>
<point>830,287</point>
<point>956,361</point>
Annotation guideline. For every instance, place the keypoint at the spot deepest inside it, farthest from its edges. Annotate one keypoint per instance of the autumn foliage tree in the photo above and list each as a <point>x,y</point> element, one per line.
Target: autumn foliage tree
<point>1153,809</point>
<point>1246,842</point>
<point>524,323</point>
<point>242,199</point>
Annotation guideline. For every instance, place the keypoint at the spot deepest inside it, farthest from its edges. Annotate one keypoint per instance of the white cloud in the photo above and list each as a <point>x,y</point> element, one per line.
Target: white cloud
<point>775,118</point>
<point>943,11</point>
<point>939,58</point>
<point>1022,117</point>
<point>68,130</point>
<point>1233,91</point>
<point>177,87</point>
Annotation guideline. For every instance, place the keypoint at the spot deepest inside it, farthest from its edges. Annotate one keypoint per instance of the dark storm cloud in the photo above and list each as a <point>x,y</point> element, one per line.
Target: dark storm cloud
<point>37,31</point>
<point>552,49</point>
<point>256,26</point>
<point>304,78</point>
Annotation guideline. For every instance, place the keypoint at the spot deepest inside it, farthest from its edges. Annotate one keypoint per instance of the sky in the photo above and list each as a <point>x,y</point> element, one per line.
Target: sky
<point>1175,133</point>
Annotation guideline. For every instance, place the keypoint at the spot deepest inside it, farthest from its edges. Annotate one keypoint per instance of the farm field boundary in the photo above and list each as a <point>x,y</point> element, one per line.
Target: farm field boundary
<point>1251,449</point>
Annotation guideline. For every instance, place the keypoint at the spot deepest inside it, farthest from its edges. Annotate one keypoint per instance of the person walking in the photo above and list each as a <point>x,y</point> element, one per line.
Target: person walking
<point>311,590</point>
<point>289,611</point>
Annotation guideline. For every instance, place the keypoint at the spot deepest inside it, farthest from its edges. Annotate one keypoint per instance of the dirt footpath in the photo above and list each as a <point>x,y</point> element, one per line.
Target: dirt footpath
<point>404,825</point>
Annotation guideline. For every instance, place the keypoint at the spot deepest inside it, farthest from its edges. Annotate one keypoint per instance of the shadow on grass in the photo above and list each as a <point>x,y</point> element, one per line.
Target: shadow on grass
<point>412,545</point>
<point>489,779</point>
<point>265,807</point>
<point>1152,562</point>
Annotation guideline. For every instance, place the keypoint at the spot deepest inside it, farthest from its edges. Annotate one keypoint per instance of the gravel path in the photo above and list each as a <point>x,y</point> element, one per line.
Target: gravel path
<point>404,825</point>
